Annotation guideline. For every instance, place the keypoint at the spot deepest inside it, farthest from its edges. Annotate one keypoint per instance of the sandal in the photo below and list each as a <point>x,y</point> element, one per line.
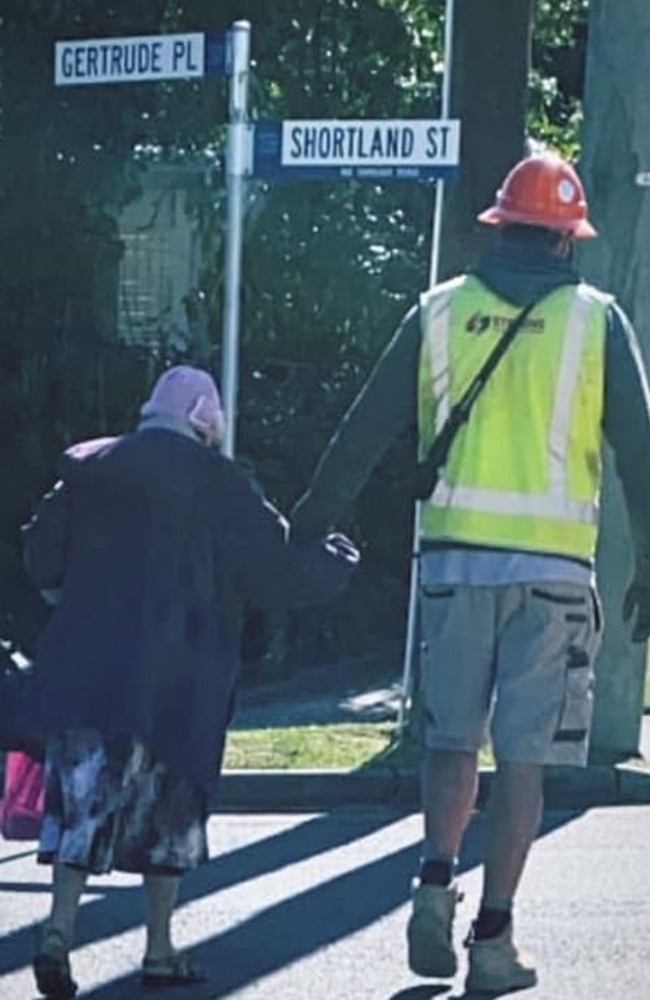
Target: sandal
<point>177,970</point>
<point>52,968</point>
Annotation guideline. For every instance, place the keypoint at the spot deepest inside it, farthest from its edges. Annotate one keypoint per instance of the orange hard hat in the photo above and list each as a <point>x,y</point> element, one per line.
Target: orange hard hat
<point>542,190</point>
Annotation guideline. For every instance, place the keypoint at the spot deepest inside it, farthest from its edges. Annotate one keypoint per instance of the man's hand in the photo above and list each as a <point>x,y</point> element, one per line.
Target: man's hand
<point>636,608</point>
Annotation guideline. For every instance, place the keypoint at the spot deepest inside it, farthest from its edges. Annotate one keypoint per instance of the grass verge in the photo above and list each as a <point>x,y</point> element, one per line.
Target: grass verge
<point>346,745</point>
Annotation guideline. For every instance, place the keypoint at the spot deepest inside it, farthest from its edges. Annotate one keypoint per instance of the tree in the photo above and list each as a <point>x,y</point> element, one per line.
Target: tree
<point>489,90</point>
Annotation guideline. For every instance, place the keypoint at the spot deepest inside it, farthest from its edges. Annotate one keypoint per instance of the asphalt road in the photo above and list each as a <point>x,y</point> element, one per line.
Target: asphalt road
<point>314,906</point>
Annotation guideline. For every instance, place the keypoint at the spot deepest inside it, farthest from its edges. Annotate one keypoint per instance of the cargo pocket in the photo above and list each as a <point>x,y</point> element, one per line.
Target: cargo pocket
<point>577,613</point>
<point>575,715</point>
<point>434,610</point>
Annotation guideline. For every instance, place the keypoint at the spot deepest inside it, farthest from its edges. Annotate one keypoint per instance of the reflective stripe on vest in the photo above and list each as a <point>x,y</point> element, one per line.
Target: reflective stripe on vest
<point>475,513</point>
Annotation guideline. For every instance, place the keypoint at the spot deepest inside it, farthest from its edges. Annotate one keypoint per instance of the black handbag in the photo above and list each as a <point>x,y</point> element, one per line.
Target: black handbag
<point>427,472</point>
<point>15,688</point>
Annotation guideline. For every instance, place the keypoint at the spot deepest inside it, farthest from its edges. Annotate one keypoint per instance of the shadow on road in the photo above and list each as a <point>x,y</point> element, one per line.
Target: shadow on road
<point>421,992</point>
<point>282,933</point>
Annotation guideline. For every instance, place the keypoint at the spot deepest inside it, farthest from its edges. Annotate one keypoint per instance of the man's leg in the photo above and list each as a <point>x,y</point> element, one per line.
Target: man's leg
<point>549,633</point>
<point>449,782</point>
<point>456,675</point>
<point>449,785</point>
<point>513,817</point>
<point>456,679</point>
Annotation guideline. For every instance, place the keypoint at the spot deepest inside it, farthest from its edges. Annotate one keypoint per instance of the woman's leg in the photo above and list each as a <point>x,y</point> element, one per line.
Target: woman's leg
<point>68,883</point>
<point>51,963</point>
<point>161,893</point>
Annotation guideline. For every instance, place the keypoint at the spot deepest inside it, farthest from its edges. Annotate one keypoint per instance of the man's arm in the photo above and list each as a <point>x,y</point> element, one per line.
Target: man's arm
<point>385,407</point>
<point>626,425</point>
<point>269,569</point>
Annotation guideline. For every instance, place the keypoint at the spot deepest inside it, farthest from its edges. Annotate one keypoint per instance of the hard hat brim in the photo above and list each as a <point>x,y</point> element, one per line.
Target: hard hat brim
<point>494,216</point>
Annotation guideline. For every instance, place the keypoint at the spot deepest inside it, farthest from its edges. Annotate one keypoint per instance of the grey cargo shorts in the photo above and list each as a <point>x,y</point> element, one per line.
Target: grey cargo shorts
<point>514,662</point>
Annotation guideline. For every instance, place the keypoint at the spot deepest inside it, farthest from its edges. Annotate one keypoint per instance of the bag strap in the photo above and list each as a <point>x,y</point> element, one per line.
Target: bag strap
<point>427,471</point>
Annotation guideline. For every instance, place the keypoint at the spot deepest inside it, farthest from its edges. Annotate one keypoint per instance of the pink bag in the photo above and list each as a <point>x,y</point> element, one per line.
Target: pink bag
<point>22,807</point>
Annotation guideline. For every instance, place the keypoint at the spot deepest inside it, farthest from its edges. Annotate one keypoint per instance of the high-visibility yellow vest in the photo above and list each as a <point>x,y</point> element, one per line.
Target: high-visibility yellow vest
<point>525,471</point>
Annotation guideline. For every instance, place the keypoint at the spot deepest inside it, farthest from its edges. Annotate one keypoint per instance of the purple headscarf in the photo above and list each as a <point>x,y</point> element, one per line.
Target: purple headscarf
<point>189,395</point>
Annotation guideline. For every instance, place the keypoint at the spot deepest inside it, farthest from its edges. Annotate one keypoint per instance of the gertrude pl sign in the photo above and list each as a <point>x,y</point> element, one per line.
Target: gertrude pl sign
<point>128,60</point>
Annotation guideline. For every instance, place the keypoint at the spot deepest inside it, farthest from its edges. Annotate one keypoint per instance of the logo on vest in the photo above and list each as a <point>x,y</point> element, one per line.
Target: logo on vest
<point>480,323</point>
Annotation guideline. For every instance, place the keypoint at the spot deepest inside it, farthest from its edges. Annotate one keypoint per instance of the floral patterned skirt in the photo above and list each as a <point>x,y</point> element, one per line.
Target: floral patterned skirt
<point>110,805</point>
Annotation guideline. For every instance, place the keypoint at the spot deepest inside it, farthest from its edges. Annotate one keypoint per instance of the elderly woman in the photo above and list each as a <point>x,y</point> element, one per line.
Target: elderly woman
<point>149,545</point>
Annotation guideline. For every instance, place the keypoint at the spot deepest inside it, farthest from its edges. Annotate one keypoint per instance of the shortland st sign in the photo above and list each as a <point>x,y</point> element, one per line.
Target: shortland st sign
<point>362,148</point>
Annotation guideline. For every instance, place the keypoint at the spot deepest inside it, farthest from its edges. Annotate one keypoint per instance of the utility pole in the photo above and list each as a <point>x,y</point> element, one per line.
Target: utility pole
<point>615,166</point>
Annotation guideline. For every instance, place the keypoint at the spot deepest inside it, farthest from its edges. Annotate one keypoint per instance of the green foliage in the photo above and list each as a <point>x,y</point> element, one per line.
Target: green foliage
<point>557,74</point>
<point>558,21</point>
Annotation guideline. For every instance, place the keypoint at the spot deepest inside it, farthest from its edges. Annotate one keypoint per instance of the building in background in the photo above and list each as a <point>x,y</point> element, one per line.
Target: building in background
<point>161,260</point>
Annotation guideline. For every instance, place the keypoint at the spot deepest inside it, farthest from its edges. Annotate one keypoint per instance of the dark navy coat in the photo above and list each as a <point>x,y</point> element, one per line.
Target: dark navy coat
<point>155,542</point>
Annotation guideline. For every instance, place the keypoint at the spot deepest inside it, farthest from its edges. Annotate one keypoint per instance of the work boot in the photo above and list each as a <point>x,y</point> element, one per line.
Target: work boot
<point>496,966</point>
<point>429,931</point>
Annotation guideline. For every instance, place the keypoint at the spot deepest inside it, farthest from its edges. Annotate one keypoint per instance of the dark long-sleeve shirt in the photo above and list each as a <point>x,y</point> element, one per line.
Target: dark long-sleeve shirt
<point>387,404</point>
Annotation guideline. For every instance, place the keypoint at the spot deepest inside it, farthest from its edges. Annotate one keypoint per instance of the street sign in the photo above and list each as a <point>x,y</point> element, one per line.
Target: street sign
<point>139,58</point>
<point>386,149</point>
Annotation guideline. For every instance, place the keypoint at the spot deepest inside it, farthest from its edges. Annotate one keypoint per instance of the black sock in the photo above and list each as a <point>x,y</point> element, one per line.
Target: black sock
<point>436,873</point>
<point>490,923</point>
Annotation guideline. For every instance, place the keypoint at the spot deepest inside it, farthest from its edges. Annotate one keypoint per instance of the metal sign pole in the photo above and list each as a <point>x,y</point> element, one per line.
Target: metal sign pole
<point>434,266</point>
<point>236,171</point>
